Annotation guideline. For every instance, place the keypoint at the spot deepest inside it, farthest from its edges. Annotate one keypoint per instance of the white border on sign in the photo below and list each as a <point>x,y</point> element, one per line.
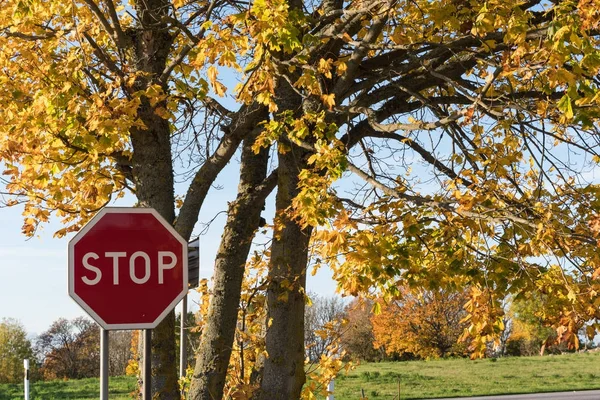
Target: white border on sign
<point>71,268</point>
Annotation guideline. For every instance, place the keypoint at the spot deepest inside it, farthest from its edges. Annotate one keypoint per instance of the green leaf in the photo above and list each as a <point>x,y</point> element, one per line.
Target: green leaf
<point>565,106</point>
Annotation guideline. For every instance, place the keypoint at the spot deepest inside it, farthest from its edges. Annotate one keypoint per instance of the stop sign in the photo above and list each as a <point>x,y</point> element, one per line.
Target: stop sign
<point>128,268</point>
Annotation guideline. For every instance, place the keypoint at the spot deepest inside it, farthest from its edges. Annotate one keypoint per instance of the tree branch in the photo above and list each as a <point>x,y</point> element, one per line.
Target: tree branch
<point>102,18</point>
<point>188,47</point>
<point>245,121</point>
<point>450,207</point>
<point>119,36</point>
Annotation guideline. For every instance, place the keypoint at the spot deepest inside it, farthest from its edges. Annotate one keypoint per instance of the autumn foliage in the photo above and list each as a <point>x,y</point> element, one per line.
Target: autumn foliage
<point>70,349</point>
<point>425,324</point>
<point>358,338</point>
<point>14,348</point>
<point>431,145</point>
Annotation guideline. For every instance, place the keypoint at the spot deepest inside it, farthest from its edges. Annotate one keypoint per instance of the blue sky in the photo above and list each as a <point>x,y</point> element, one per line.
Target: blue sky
<point>33,272</point>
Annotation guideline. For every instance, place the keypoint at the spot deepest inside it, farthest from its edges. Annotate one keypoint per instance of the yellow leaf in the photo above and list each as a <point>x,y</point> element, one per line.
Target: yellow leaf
<point>328,100</point>
<point>325,67</point>
<point>212,74</point>
<point>341,68</point>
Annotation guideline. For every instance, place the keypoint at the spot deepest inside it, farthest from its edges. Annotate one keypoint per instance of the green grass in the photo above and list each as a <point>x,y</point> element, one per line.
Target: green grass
<point>418,379</point>
<point>462,377</point>
<point>82,389</point>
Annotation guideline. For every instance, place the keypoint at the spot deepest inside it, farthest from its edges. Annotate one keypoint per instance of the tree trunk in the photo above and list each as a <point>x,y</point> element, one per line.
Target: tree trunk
<point>152,170</point>
<point>153,175</point>
<point>243,219</point>
<point>543,349</point>
<point>283,371</point>
<point>165,384</point>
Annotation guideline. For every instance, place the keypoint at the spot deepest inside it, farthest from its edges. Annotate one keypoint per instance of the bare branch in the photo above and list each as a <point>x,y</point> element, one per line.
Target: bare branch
<point>102,18</point>
<point>188,47</point>
<point>244,122</point>
<point>119,36</point>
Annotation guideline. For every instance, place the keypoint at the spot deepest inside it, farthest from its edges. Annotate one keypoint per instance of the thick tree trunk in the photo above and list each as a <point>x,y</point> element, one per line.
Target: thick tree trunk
<point>283,369</point>
<point>165,384</point>
<point>282,375</point>
<point>283,372</point>
<point>152,170</point>
<point>242,221</point>
<point>153,175</point>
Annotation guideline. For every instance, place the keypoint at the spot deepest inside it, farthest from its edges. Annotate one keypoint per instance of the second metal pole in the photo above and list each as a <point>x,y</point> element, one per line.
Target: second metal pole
<point>183,339</point>
<point>146,374</point>
<point>26,366</point>
<point>103,364</point>
<point>330,389</point>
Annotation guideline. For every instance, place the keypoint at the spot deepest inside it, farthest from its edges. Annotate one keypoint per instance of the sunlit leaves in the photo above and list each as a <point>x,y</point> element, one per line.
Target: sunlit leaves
<point>422,323</point>
<point>466,118</point>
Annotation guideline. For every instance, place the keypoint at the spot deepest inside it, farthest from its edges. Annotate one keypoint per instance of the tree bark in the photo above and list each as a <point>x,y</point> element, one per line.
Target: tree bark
<point>243,219</point>
<point>283,372</point>
<point>153,175</point>
<point>152,170</point>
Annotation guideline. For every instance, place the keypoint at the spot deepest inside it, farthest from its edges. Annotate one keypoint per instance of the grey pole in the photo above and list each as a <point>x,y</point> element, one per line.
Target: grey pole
<point>330,388</point>
<point>26,366</point>
<point>183,339</point>
<point>103,364</point>
<point>146,375</point>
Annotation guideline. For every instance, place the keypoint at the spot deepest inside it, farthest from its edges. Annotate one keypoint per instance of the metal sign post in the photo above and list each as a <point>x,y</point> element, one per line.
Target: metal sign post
<point>26,366</point>
<point>330,389</point>
<point>193,279</point>
<point>103,364</point>
<point>146,373</point>
<point>183,339</point>
<point>128,268</point>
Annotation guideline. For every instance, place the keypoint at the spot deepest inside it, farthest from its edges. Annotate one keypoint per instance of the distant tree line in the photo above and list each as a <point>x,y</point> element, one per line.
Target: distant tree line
<point>413,325</point>
<point>69,349</point>
<point>425,324</point>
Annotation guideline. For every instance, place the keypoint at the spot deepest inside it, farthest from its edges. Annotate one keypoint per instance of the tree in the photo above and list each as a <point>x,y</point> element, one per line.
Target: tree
<point>323,325</point>
<point>461,124</point>
<point>117,101</point>
<point>119,351</point>
<point>70,349</point>
<point>532,333</point>
<point>465,123</point>
<point>426,324</point>
<point>14,348</point>
<point>358,338</point>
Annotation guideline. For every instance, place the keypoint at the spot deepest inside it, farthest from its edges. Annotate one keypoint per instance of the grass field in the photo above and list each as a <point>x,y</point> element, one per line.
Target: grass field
<point>418,379</point>
<point>461,377</point>
<point>82,389</point>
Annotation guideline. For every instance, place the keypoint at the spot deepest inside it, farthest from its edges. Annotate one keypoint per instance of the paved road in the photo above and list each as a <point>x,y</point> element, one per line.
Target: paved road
<point>582,395</point>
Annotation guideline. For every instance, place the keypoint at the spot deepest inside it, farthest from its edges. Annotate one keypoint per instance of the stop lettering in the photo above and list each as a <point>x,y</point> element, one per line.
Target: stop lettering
<point>127,268</point>
<point>146,266</point>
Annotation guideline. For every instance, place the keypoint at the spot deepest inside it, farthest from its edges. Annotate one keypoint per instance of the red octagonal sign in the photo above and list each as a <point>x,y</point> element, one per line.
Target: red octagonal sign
<point>128,268</point>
